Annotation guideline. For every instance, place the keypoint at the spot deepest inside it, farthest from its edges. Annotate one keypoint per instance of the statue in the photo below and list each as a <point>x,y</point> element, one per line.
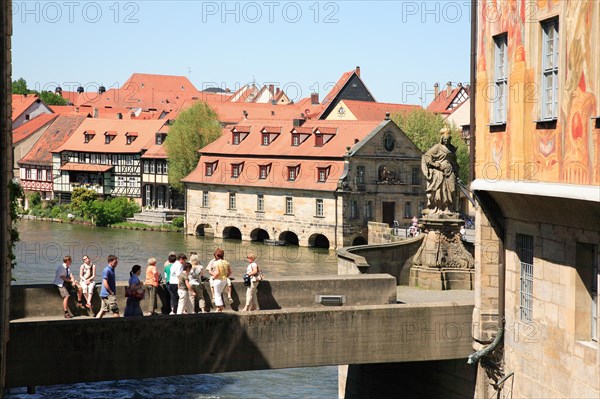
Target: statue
<point>440,167</point>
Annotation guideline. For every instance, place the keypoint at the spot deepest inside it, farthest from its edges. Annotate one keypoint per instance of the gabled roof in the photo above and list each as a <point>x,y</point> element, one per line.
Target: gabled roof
<point>347,132</point>
<point>29,128</point>
<point>21,102</point>
<point>56,134</point>
<point>148,91</point>
<point>372,111</point>
<point>146,130</point>
<point>441,104</point>
<point>77,99</point>
<point>343,88</point>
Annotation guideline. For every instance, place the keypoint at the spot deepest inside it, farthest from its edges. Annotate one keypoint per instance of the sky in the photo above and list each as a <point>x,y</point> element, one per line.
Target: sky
<point>402,47</point>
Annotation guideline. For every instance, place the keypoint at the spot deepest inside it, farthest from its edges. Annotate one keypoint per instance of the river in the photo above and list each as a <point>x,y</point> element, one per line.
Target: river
<point>43,245</point>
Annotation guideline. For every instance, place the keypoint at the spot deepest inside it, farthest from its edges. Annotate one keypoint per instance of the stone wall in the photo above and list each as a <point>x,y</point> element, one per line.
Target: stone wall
<point>381,258</point>
<point>554,354</point>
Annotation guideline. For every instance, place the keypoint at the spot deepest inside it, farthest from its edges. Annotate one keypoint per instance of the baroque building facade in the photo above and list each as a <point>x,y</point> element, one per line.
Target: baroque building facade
<point>309,183</point>
<point>538,183</point>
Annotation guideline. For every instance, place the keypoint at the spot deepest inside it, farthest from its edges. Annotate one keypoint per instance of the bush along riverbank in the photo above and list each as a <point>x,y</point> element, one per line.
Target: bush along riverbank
<point>87,209</point>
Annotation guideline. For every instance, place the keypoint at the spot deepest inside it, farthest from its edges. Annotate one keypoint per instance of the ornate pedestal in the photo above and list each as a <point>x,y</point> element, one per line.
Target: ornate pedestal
<point>442,262</point>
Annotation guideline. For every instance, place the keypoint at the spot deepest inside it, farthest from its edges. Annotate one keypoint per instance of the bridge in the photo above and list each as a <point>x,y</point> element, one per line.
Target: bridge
<point>293,329</point>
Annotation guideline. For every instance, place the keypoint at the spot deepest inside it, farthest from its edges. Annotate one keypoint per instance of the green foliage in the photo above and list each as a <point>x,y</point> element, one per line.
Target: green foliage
<point>177,222</point>
<point>19,86</point>
<point>15,195</point>
<point>114,210</point>
<point>423,128</point>
<point>193,129</point>
<point>50,98</point>
<point>34,199</point>
<point>81,201</point>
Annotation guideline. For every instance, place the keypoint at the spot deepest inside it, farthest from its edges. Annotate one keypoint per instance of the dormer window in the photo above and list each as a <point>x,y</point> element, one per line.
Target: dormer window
<point>263,171</point>
<point>88,135</point>
<point>130,137</point>
<point>210,168</point>
<point>295,140</point>
<point>236,170</point>
<point>318,140</point>
<point>235,139</point>
<point>109,136</point>
<point>160,138</point>
<point>322,174</point>
<point>293,172</point>
<point>265,139</point>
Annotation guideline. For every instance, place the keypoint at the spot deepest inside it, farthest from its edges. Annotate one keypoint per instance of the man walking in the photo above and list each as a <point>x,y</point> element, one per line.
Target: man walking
<point>108,293</point>
<point>66,283</point>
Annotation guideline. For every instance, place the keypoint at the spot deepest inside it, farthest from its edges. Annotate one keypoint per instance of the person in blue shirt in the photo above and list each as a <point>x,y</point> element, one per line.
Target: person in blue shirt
<point>108,292</point>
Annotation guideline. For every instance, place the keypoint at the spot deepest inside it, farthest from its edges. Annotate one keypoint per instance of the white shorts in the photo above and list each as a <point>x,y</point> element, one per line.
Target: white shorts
<point>87,288</point>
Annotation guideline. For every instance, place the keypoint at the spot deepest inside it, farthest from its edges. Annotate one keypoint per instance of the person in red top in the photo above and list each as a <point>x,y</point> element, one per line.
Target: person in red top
<point>151,285</point>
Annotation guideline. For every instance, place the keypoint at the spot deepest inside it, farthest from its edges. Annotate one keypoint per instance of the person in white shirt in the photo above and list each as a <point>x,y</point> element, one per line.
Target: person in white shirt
<point>66,283</point>
<point>176,269</point>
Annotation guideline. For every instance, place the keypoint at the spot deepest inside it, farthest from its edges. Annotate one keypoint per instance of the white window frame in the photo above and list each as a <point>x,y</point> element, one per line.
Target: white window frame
<point>263,172</point>
<point>289,205</point>
<point>235,170</point>
<point>260,202</point>
<point>319,207</point>
<point>524,248</point>
<point>360,174</point>
<point>232,201</point>
<point>500,78</point>
<point>550,63</point>
<point>205,199</point>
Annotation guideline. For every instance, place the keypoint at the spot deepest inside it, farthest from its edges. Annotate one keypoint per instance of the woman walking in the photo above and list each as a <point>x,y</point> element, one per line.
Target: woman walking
<point>151,285</point>
<point>136,293</point>
<point>183,290</point>
<point>251,292</point>
<point>220,274</point>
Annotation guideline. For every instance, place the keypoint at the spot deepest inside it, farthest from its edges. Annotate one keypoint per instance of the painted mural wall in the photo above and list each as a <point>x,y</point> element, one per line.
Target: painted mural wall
<point>568,150</point>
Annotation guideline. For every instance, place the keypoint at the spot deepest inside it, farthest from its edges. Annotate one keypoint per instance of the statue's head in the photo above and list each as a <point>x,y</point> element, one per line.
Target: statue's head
<point>445,136</point>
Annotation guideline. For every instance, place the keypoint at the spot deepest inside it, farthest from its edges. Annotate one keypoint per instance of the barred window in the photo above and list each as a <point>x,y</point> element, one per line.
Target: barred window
<point>525,255</point>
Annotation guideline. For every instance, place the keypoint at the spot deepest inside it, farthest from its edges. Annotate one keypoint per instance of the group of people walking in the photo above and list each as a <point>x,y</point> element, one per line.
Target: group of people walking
<point>181,278</point>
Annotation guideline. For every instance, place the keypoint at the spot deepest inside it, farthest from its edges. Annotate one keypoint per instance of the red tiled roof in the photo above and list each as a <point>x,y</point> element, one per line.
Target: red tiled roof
<point>86,167</point>
<point>35,124</point>
<point>78,99</point>
<point>440,104</point>
<point>347,132</point>
<point>148,91</point>
<point>337,87</point>
<point>146,130</point>
<point>156,151</point>
<point>56,134</point>
<point>278,175</point>
<point>372,111</point>
<point>20,103</point>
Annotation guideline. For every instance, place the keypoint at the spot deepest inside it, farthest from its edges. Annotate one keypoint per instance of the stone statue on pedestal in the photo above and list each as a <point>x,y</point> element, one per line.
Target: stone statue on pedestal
<point>440,167</point>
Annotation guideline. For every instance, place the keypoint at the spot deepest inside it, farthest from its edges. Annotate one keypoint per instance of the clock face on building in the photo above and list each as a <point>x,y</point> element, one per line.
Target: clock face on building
<point>389,141</point>
<point>341,111</point>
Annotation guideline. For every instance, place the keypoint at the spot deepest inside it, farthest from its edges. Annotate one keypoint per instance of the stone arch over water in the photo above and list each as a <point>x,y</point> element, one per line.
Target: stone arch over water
<point>259,235</point>
<point>318,241</point>
<point>200,229</point>
<point>232,232</point>
<point>289,237</point>
<point>360,240</point>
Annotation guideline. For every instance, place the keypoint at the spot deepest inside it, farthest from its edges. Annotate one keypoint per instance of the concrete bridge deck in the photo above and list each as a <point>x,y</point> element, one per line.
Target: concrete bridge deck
<point>309,335</point>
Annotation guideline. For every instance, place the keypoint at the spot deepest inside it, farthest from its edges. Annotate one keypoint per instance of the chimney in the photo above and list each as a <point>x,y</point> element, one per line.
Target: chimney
<point>80,89</point>
<point>227,90</point>
<point>119,115</point>
<point>448,89</point>
<point>101,89</point>
<point>358,71</point>
<point>245,114</point>
<point>314,98</point>
<point>387,116</point>
<point>436,89</point>
<point>277,90</point>
<point>299,122</point>
<point>459,85</point>
<point>58,90</point>
<point>95,113</point>
<point>271,89</point>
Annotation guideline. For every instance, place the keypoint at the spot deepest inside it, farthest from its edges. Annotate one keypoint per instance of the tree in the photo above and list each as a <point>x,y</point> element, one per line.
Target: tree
<point>423,128</point>
<point>19,86</point>
<point>81,201</point>
<point>193,129</point>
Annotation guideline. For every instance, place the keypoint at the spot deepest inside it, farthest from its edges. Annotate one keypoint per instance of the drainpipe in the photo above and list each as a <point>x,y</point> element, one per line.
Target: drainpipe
<point>335,229</point>
<point>473,89</point>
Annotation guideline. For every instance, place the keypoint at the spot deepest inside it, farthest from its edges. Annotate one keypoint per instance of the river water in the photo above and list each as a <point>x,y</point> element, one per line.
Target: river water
<point>40,252</point>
